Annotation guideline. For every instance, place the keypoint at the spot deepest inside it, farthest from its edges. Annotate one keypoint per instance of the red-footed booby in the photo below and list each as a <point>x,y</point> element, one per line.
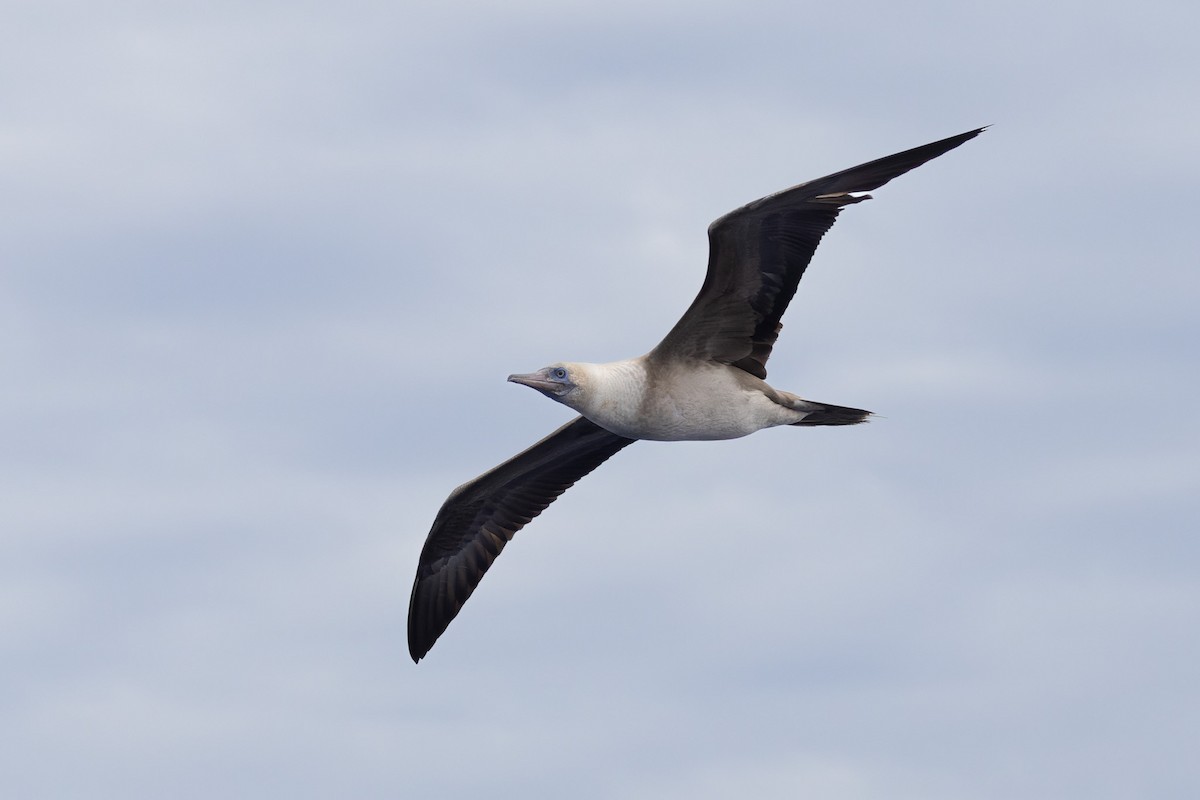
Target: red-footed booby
<point>703,381</point>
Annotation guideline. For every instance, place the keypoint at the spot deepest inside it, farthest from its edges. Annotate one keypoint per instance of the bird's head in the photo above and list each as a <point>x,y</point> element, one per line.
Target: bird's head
<point>564,382</point>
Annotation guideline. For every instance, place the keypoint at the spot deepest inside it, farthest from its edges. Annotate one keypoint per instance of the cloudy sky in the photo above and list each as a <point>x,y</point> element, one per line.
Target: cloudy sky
<point>264,267</point>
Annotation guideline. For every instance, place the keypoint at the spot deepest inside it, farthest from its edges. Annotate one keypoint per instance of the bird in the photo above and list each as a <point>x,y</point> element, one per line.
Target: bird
<point>704,381</point>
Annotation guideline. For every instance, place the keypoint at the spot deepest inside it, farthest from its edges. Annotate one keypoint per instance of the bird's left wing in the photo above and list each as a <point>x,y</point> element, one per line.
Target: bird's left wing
<point>481,516</point>
<point>758,253</point>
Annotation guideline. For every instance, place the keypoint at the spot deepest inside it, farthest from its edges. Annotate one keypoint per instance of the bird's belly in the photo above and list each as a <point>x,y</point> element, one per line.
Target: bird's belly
<point>702,412</point>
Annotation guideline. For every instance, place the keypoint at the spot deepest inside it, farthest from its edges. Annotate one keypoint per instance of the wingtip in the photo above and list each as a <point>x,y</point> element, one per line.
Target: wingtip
<point>416,652</point>
<point>419,644</point>
<point>421,637</point>
<point>966,136</point>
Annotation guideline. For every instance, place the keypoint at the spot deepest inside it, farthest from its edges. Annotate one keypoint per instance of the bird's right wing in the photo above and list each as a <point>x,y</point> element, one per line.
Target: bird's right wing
<point>481,516</point>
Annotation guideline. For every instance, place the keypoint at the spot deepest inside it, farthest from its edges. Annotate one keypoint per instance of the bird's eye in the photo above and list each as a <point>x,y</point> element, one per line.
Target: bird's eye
<point>559,373</point>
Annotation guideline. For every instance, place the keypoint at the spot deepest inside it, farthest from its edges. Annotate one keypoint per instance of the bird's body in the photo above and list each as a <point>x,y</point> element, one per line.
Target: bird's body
<point>677,402</point>
<point>704,381</point>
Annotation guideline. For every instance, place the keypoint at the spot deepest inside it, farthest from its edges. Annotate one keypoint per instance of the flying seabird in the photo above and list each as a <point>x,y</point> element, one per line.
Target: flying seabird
<point>703,381</point>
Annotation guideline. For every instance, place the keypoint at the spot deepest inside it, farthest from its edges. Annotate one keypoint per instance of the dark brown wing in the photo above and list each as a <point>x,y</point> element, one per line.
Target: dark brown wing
<point>481,516</point>
<point>758,253</point>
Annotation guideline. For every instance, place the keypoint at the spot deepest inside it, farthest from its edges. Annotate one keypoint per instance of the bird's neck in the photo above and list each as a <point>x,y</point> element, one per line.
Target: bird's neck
<point>614,392</point>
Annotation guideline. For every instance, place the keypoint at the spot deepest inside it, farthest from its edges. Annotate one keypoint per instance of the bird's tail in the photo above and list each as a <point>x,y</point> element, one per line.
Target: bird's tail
<point>825,414</point>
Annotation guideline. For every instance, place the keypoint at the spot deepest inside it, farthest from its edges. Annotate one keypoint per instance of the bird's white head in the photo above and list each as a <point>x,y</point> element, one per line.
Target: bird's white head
<point>565,382</point>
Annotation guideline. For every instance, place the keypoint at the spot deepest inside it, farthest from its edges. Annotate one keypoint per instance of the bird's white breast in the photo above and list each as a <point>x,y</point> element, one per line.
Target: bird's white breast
<point>692,402</point>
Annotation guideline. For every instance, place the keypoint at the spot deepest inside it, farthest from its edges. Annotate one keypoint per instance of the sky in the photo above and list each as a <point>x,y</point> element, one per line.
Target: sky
<point>265,266</point>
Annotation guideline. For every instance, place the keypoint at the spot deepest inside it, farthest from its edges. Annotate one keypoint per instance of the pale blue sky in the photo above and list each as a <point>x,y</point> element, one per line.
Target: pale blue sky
<point>263,271</point>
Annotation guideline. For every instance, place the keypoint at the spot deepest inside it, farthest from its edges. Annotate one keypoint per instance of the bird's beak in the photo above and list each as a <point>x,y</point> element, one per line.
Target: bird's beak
<point>536,380</point>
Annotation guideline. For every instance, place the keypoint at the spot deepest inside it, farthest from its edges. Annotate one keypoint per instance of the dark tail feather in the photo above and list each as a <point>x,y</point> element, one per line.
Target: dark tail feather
<point>825,414</point>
